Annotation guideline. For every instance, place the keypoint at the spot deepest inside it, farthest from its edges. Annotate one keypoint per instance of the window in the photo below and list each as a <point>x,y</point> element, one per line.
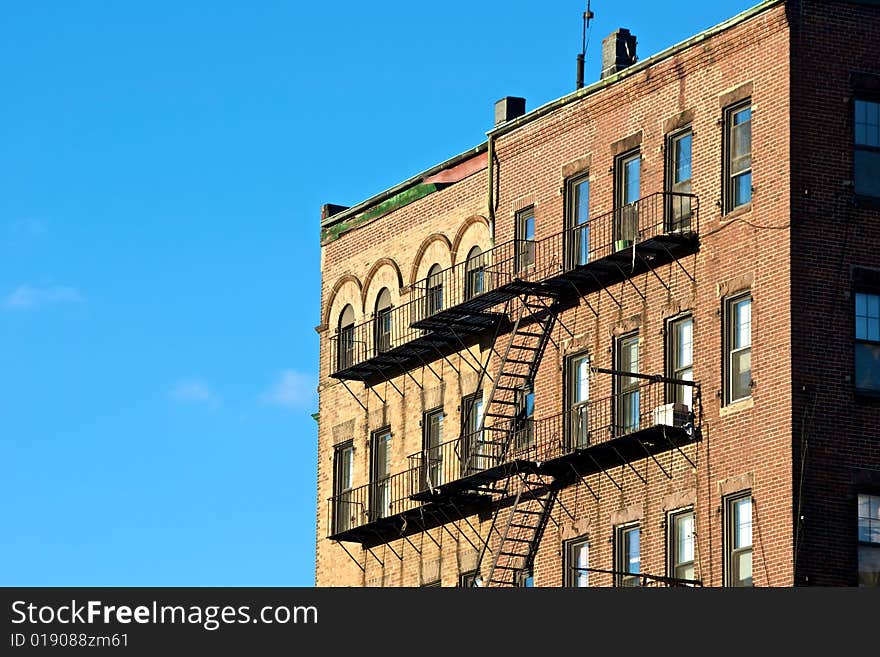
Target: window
<point>434,291</point>
<point>473,458</point>
<point>866,155</point>
<point>628,555</point>
<point>434,584</point>
<point>627,176</point>
<point>737,156</point>
<point>577,216</point>
<point>867,345</point>
<point>525,239</point>
<point>467,580</point>
<point>869,540</point>
<point>474,273</point>
<point>680,359</point>
<point>577,395</point>
<point>345,339</point>
<point>382,322</point>
<point>380,473</point>
<point>680,531</point>
<point>738,540</point>
<point>576,562</point>
<point>738,348</point>
<point>678,180</point>
<point>524,421</point>
<point>627,387</point>
<point>344,508</point>
<point>432,460</point>
<point>524,578</point>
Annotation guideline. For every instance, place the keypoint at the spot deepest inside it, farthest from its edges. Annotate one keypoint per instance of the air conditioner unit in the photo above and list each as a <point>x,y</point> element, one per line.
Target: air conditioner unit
<point>672,415</point>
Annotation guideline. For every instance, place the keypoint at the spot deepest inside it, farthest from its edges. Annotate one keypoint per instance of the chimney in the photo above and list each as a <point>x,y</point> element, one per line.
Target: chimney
<point>509,108</point>
<point>618,52</point>
<point>329,209</point>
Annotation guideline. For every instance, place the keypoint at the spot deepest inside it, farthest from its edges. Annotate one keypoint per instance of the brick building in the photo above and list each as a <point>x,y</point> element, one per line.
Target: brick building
<point>631,339</point>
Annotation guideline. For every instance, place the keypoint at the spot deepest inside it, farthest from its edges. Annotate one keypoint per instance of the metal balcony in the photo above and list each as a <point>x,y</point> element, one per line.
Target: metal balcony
<point>594,435</point>
<point>454,479</point>
<point>385,510</point>
<point>633,423</point>
<point>373,351</point>
<point>454,307</point>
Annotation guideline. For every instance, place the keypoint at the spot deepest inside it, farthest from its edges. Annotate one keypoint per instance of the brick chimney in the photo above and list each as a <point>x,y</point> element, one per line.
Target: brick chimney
<point>509,108</point>
<point>618,52</point>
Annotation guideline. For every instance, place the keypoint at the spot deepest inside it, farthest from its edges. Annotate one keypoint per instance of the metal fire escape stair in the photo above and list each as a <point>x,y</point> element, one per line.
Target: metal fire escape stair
<point>532,495</point>
<point>519,364</point>
<point>526,520</point>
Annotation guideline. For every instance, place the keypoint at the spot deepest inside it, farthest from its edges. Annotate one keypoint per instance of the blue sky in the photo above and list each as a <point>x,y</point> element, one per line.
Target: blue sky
<point>162,170</point>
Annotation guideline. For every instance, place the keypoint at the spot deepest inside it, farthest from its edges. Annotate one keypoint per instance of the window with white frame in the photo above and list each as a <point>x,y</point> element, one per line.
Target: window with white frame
<point>577,561</point>
<point>628,555</point>
<point>738,348</point>
<point>738,540</point>
<point>680,527</point>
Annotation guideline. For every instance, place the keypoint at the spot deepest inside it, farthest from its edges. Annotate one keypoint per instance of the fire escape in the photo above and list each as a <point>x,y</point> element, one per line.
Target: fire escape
<point>513,466</point>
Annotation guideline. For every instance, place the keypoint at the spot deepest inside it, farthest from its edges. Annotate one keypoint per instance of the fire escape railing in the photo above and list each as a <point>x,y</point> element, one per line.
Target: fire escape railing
<point>632,411</point>
<point>641,579</point>
<point>478,283</point>
<point>371,502</point>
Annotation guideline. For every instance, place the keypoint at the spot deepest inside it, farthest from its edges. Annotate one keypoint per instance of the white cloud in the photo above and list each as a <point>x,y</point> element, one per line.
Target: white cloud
<point>194,391</point>
<point>293,390</point>
<point>26,297</point>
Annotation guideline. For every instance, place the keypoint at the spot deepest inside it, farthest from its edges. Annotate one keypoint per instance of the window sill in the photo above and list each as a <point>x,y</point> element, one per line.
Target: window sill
<point>737,406</point>
<point>736,212</point>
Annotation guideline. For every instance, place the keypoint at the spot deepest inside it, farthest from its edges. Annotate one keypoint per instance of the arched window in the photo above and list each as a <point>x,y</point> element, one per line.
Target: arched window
<point>434,294</point>
<point>345,339</point>
<point>382,322</point>
<point>474,273</point>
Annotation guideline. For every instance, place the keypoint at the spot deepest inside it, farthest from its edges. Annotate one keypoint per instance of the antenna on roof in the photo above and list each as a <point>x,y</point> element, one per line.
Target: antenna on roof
<point>588,15</point>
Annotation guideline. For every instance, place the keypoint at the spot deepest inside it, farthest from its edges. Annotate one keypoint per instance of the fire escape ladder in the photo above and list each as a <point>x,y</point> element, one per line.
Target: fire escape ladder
<point>505,420</point>
<point>518,542</point>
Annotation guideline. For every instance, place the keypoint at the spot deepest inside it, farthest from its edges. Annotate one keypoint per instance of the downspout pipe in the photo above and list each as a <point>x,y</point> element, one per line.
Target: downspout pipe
<point>490,201</point>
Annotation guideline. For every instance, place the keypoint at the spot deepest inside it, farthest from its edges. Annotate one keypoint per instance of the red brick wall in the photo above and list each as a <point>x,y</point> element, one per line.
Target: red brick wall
<point>837,430</point>
<point>752,440</point>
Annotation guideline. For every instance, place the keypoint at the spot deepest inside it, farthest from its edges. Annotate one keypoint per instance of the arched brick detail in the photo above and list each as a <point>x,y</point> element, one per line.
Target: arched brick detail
<point>331,298</point>
<point>459,236</point>
<point>366,292</point>
<point>417,261</point>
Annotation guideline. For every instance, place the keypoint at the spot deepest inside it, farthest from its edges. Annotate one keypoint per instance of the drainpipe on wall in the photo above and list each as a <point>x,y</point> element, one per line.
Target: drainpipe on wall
<point>490,157</point>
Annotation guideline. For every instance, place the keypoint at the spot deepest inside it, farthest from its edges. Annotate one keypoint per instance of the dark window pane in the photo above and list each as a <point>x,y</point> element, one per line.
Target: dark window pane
<point>867,123</point>
<point>682,171</point>
<point>381,471</point>
<point>741,145</point>
<point>582,233</point>
<point>738,158</point>
<point>867,172</point>
<point>525,235</point>
<point>867,366</point>
<point>869,565</point>
<point>869,518</point>
<point>742,189</point>
<point>632,171</point>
